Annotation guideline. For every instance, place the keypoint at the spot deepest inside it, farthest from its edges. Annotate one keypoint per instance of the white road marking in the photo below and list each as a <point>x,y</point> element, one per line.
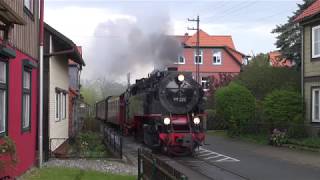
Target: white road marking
<point>214,156</point>
<point>228,159</point>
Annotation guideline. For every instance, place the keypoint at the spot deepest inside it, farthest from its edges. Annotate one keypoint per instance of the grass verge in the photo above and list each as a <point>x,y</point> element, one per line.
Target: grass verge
<point>70,173</point>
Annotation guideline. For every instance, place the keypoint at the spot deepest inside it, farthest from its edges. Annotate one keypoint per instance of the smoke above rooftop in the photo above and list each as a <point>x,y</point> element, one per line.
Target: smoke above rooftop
<point>134,45</point>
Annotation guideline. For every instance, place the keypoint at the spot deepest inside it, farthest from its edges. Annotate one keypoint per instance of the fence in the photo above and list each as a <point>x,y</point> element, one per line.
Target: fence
<point>151,167</point>
<point>76,148</point>
<point>113,140</point>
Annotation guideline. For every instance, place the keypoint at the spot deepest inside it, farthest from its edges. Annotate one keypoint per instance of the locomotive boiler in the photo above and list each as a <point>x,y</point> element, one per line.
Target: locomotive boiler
<point>164,111</point>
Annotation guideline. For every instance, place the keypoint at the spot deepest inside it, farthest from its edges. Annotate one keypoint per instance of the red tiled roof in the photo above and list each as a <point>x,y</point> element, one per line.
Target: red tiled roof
<point>277,61</point>
<point>312,10</point>
<point>207,40</point>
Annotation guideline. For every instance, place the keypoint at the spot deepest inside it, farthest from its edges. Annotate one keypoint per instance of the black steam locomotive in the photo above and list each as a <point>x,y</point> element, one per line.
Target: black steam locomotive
<point>165,111</point>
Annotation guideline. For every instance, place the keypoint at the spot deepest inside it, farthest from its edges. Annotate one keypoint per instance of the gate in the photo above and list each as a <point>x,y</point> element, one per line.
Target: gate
<point>151,167</point>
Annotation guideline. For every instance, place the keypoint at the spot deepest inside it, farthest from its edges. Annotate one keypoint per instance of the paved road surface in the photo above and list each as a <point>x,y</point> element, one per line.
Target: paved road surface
<point>259,162</point>
<point>227,159</point>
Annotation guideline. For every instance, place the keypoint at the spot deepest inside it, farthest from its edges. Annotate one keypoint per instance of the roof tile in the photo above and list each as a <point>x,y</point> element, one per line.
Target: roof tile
<point>312,10</point>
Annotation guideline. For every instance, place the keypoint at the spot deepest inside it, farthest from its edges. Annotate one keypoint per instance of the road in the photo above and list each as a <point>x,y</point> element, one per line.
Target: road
<point>259,162</point>
<point>227,159</point>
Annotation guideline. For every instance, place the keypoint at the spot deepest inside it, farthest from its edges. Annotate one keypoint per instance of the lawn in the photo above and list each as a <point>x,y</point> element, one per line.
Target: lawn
<point>69,173</point>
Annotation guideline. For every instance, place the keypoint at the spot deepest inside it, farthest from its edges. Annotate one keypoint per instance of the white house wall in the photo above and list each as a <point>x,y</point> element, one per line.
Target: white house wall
<point>59,78</point>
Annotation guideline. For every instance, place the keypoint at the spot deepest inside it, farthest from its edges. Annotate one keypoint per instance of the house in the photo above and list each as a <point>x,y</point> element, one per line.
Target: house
<point>75,100</point>
<point>276,60</point>
<point>19,56</point>
<point>217,57</point>
<point>309,20</point>
<point>58,50</point>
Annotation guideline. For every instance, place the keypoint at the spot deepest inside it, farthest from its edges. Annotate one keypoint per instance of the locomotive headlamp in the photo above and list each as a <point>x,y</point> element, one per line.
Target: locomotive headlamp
<point>181,77</point>
<point>196,120</point>
<point>166,121</point>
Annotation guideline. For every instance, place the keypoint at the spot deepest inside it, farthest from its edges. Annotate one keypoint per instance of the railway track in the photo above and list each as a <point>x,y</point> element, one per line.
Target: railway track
<point>205,164</point>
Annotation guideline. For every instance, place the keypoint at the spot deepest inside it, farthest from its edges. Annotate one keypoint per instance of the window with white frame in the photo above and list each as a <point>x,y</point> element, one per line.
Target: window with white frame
<point>181,60</point>
<point>198,59</point>
<point>3,97</point>
<point>205,83</point>
<point>217,57</point>
<point>61,105</point>
<point>26,99</point>
<point>28,4</point>
<point>316,105</point>
<point>316,42</point>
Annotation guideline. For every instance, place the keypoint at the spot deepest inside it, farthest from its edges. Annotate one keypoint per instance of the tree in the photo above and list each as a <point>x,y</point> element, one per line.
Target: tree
<point>289,35</point>
<point>261,78</point>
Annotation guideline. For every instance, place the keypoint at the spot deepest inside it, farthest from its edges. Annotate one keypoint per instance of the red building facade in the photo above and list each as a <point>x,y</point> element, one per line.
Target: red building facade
<point>19,54</point>
<point>218,57</point>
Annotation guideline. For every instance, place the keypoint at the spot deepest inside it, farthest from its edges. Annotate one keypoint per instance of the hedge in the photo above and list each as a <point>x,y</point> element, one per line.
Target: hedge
<point>236,105</point>
<point>283,109</point>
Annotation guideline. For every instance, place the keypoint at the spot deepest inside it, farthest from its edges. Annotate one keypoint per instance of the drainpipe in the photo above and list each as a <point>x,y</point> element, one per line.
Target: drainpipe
<point>41,39</point>
<point>302,63</point>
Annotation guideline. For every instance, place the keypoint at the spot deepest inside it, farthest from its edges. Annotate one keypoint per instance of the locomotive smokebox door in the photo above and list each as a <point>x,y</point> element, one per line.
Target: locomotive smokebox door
<point>179,96</point>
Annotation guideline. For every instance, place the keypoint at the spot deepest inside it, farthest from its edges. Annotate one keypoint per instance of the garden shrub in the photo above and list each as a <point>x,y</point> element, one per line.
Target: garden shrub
<point>283,109</point>
<point>278,138</point>
<point>236,105</point>
<point>90,143</point>
<point>214,122</point>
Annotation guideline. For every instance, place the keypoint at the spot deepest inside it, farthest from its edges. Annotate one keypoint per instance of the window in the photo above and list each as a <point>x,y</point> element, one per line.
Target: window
<point>28,4</point>
<point>198,59</point>
<point>205,83</point>
<point>181,60</point>
<point>316,105</point>
<point>26,99</point>
<point>61,105</point>
<point>217,57</point>
<point>3,97</point>
<point>316,42</point>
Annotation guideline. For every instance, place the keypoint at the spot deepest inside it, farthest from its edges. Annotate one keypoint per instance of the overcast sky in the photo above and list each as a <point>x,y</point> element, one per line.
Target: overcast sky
<point>249,22</point>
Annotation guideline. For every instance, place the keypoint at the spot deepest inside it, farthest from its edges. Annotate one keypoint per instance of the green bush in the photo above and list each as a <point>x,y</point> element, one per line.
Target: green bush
<point>90,143</point>
<point>236,105</point>
<point>214,122</point>
<point>261,79</point>
<point>283,108</point>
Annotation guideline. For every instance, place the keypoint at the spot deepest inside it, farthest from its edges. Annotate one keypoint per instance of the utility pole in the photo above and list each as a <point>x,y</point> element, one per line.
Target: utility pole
<point>197,47</point>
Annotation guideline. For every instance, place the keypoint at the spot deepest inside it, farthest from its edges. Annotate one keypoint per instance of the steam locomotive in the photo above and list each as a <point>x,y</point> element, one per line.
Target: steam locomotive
<point>164,111</point>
